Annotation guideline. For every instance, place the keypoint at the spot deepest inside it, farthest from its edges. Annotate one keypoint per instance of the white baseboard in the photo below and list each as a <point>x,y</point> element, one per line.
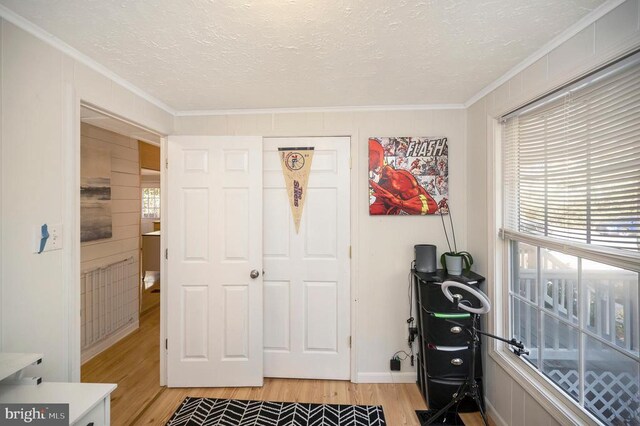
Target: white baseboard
<point>387,377</point>
<point>94,350</point>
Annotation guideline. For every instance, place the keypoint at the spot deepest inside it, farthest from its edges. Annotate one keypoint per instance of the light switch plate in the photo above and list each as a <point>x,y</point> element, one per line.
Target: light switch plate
<point>55,237</point>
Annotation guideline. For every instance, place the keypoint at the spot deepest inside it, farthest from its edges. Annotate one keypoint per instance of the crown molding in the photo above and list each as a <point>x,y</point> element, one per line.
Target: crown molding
<point>55,42</point>
<point>583,23</point>
<point>301,110</point>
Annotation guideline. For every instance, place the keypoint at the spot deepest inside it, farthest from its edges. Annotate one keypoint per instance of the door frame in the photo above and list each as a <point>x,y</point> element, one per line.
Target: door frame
<point>71,214</point>
<point>353,229</point>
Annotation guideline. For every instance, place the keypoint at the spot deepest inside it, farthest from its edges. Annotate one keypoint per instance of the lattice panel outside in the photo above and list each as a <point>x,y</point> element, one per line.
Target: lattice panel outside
<point>611,396</point>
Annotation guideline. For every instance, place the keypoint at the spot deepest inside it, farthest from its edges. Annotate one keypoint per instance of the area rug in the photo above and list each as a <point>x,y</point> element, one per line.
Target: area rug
<point>233,412</point>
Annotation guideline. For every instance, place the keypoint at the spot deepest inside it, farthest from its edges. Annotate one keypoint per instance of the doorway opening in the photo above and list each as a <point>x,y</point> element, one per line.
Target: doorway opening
<point>120,315</point>
<point>149,226</point>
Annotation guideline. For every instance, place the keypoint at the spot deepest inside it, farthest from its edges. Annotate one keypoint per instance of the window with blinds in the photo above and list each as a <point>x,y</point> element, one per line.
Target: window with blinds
<point>571,204</point>
<point>572,162</point>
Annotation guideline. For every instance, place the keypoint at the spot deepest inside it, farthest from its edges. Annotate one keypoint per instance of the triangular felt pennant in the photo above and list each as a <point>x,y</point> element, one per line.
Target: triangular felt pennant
<point>296,165</point>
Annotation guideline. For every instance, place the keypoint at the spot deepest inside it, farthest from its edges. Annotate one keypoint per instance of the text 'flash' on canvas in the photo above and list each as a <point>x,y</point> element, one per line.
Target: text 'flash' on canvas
<point>296,166</point>
<point>408,176</point>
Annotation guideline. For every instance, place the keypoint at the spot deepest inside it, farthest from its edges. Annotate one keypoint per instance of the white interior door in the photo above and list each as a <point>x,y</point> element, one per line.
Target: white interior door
<point>214,307</point>
<point>306,281</point>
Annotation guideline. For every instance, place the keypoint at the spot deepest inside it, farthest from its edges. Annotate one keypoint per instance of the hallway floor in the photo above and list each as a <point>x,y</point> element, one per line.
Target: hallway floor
<point>134,364</point>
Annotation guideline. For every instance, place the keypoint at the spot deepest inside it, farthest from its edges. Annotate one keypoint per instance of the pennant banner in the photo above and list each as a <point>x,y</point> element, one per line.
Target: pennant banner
<point>296,165</point>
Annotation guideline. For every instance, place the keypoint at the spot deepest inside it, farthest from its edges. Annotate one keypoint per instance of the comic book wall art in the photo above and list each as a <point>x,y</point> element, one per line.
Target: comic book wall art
<point>408,175</point>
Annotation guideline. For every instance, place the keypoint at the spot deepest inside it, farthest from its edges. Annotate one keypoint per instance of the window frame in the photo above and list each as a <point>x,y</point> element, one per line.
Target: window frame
<point>584,334</point>
<point>550,396</point>
<point>546,393</point>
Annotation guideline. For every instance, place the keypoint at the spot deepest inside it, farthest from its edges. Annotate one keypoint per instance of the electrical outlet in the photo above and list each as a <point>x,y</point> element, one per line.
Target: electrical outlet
<point>394,365</point>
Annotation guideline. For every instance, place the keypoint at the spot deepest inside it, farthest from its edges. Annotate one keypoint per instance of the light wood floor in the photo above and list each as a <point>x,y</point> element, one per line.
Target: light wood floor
<point>150,298</point>
<point>133,363</point>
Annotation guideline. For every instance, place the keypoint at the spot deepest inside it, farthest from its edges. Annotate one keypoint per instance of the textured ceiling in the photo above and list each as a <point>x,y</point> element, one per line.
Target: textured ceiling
<point>228,54</point>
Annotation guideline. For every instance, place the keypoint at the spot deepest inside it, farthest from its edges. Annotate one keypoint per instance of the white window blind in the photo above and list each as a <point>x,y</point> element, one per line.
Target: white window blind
<point>572,162</point>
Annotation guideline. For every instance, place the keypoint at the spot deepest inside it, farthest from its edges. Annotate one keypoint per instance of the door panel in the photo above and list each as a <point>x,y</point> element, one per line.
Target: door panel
<point>307,302</point>
<point>196,228</point>
<point>276,325</point>
<point>195,309</point>
<point>214,240</point>
<point>276,214</point>
<point>321,308</point>
<point>322,224</point>
<point>236,306</point>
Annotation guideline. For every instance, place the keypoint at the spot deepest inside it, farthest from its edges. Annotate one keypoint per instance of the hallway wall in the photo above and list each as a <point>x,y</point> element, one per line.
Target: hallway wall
<point>125,221</point>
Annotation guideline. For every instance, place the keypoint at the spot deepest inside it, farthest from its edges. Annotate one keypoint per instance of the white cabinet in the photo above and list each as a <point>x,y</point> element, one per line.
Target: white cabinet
<point>89,403</point>
<point>12,363</point>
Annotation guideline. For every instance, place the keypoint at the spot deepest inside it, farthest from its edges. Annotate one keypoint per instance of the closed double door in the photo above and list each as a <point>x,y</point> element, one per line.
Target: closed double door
<point>229,220</point>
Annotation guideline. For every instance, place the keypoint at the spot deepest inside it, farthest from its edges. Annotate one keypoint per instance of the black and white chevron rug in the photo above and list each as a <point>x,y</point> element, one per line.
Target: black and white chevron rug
<point>233,412</point>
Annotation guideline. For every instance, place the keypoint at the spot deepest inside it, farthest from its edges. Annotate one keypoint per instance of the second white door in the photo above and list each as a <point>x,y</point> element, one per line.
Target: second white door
<point>306,275</point>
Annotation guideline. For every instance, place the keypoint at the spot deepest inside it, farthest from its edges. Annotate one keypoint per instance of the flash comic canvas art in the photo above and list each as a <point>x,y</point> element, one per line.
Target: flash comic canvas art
<point>408,175</point>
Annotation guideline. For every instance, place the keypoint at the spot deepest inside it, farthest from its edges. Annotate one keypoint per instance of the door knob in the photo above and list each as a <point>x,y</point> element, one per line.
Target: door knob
<point>254,274</point>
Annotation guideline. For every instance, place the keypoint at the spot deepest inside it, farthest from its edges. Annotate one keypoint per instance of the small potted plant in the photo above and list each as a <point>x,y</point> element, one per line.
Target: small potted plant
<point>453,261</point>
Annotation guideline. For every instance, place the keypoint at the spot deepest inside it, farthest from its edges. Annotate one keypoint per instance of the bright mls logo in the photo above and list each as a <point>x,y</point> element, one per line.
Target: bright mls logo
<point>34,414</point>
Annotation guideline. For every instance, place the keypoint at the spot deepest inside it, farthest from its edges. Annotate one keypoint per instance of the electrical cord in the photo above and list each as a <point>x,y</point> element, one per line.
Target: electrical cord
<point>410,290</point>
<point>411,320</point>
<point>397,356</point>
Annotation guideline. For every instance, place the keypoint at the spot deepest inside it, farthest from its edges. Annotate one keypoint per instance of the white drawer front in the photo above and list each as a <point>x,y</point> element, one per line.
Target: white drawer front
<point>95,417</point>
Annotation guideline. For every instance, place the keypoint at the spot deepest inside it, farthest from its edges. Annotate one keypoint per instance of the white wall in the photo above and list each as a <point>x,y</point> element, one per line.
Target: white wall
<point>513,400</point>
<point>383,250</point>
<point>42,88</point>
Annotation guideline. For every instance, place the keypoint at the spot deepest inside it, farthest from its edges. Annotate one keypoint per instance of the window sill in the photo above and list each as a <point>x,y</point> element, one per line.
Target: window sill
<point>564,410</point>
